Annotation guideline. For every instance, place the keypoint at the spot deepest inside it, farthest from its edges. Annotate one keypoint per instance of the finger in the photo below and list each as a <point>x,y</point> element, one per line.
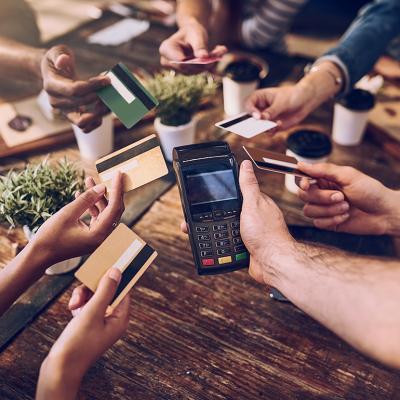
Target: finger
<point>72,103</point>
<point>98,304</point>
<point>331,222</point>
<point>92,125</point>
<point>81,204</point>
<point>63,60</point>
<point>121,312</point>
<point>115,207</point>
<point>198,40</point>
<point>304,184</point>
<point>338,174</point>
<point>219,51</point>
<point>248,182</point>
<point>102,203</point>
<point>184,227</point>
<point>317,211</point>
<point>92,210</point>
<point>317,196</point>
<point>85,121</point>
<point>80,296</point>
<point>172,50</point>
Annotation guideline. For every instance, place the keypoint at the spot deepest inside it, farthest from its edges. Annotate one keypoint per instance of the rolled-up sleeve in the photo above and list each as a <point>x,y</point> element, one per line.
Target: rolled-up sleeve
<point>366,39</point>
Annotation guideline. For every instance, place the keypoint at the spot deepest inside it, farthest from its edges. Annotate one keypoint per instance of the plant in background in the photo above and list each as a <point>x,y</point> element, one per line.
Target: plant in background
<point>30,196</point>
<point>179,95</point>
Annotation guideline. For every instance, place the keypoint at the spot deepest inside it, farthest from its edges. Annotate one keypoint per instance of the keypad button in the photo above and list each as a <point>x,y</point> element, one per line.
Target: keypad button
<point>222,227</point>
<point>235,232</point>
<point>219,214</point>
<point>224,260</point>
<point>237,240</point>
<point>208,261</point>
<point>223,252</point>
<point>242,256</point>
<point>201,228</point>
<point>235,224</point>
<point>239,248</point>
<point>205,245</point>
<point>206,253</point>
<point>203,237</point>
<point>222,243</point>
<point>222,235</point>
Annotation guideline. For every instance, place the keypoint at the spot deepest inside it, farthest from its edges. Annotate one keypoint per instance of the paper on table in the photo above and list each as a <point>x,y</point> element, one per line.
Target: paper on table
<point>120,32</point>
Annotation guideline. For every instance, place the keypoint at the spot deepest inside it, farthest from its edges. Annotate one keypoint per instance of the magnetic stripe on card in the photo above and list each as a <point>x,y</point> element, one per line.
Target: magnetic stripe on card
<point>133,87</point>
<point>127,155</point>
<point>235,121</point>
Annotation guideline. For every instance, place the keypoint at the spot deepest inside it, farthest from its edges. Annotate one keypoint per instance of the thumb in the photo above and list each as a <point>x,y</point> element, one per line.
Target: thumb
<point>248,182</point>
<point>63,60</point>
<point>105,293</point>
<point>85,201</point>
<point>327,171</point>
<point>199,42</point>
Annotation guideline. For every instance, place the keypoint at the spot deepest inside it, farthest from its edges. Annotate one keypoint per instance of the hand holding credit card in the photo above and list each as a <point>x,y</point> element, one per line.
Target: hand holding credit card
<point>140,162</point>
<point>275,162</point>
<point>245,125</point>
<point>122,249</point>
<point>126,97</point>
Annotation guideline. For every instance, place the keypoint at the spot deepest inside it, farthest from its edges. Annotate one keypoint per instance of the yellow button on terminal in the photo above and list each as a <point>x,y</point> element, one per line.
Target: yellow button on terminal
<point>224,260</point>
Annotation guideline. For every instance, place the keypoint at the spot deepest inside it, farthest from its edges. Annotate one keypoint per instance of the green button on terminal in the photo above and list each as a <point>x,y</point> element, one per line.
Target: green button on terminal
<point>242,256</point>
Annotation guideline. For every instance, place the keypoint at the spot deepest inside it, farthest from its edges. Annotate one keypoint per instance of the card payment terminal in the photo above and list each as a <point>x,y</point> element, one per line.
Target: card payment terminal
<point>207,176</point>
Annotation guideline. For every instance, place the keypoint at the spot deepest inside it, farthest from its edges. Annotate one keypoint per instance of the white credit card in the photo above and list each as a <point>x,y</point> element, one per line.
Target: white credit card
<point>245,125</point>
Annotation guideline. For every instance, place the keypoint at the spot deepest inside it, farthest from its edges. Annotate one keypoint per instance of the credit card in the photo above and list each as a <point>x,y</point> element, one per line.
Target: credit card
<point>199,61</point>
<point>122,249</point>
<point>274,162</point>
<point>245,125</point>
<point>140,163</point>
<point>126,97</point>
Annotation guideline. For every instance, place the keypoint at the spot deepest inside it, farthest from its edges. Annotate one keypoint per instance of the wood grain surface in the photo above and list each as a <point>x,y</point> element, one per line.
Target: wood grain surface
<point>218,337</point>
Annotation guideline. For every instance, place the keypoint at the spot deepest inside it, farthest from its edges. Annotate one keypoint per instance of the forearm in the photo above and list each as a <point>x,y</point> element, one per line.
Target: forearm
<point>19,61</point>
<point>393,218</point>
<point>19,275</point>
<point>194,10</point>
<point>55,381</point>
<point>356,297</point>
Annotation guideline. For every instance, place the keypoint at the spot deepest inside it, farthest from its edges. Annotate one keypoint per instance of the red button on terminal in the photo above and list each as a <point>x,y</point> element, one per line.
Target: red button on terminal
<point>207,261</point>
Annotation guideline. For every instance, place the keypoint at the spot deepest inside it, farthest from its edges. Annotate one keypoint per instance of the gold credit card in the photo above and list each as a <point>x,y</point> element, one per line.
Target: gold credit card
<point>122,249</point>
<point>140,162</point>
<point>274,162</point>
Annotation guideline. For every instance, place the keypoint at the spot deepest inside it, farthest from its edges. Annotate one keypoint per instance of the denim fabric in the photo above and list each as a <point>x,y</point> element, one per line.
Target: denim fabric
<point>366,39</point>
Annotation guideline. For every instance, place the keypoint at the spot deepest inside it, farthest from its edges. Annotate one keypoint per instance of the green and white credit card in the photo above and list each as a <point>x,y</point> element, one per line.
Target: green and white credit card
<point>126,97</point>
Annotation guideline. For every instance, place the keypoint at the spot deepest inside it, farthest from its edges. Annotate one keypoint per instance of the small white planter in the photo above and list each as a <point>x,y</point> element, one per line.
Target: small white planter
<point>59,268</point>
<point>174,136</point>
<point>235,95</point>
<point>98,142</point>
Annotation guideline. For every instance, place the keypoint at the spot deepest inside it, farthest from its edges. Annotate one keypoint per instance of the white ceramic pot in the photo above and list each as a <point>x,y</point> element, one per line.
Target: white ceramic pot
<point>59,268</point>
<point>235,95</point>
<point>174,136</point>
<point>290,180</point>
<point>98,142</point>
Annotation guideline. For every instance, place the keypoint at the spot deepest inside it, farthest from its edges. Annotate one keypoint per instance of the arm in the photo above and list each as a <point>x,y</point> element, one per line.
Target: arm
<point>193,11</point>
<point>366,40</point>
<point>62,236</point>
<point>356,297</point>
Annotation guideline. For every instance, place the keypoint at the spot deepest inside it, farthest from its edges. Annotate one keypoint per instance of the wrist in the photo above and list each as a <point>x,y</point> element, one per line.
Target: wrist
<point>35,64</point>
<point>57,380</point>
<point>189,23</point>
<point>393,217</point>
<point>38,258</point>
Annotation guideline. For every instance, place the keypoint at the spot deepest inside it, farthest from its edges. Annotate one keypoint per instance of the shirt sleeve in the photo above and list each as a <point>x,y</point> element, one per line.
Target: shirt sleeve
<point>365,40</point>
<point>269,22</point>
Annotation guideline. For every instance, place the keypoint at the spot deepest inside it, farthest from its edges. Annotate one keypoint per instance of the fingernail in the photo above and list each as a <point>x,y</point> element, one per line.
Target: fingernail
<point>73,300</point>
<point>115,274</point>
<point>256,115</point>
<point>338,196</point>
<point>345,207</point>
<point>100,188</point>
<point>344,216</point>
<point>247,165</point>
<point>76,311</point>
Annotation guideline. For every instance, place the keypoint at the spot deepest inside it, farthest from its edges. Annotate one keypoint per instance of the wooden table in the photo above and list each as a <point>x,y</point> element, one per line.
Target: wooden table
<point>218,337</point>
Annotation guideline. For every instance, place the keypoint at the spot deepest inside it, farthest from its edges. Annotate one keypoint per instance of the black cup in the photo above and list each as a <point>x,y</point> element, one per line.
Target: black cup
<point>309,144</point>
<point>358,100</point>
<point>243,71</point>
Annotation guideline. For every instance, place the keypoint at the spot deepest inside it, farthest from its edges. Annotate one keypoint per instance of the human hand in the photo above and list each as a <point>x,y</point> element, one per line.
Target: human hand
<point>346,200</point>
<point>191,40</point>
<point>76,99</point>
<point>87,336</point>
<point>65,235</point>
<point>262,228</point>
<point>287,105</point>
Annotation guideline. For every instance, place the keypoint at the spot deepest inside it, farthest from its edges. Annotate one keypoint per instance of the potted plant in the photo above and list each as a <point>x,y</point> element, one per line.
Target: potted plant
<point>179,97</point>
<point>30,196</point>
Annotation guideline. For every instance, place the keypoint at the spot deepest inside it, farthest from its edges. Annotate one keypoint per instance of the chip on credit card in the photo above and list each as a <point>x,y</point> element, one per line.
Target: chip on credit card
<point>122,249</point>
<point>140,162</point>
<point>126,97</point>
<point>245,125</point>
<point>274,162</point>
